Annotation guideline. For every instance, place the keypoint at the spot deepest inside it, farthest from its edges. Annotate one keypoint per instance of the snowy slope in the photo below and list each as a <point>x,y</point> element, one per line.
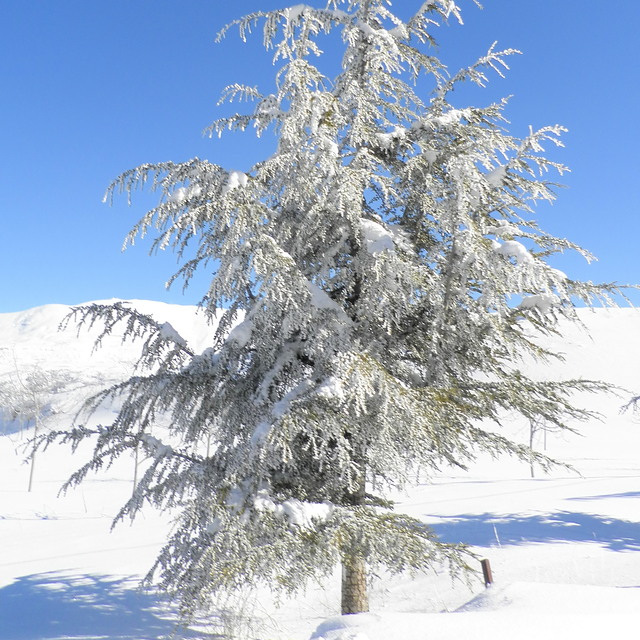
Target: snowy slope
<point>564,548</point>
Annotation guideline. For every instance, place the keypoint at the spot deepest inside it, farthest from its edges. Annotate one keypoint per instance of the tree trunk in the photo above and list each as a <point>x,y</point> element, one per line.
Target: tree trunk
<point>135,468</point>
<point>355,597</point>
<point>33,454</point>
<point>532,432</point>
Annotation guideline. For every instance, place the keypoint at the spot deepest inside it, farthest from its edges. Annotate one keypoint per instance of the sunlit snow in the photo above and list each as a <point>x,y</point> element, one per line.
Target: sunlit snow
<point>377,239</point>
<point>236,179</point>
<point>564,548</point>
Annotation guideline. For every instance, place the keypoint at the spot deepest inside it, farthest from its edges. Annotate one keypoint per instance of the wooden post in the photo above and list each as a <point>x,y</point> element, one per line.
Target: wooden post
<point>486,572</point>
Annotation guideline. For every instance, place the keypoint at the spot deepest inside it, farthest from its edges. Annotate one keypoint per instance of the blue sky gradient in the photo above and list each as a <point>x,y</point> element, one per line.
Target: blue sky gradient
<point>91,89</point>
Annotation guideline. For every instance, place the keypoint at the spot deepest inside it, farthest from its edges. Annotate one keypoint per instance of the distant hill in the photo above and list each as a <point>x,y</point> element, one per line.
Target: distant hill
<point>606,347</point>
<point>32,344</point>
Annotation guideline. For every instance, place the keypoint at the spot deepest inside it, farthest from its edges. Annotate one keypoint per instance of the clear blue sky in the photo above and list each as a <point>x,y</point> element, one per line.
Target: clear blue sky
<point>91,89</point>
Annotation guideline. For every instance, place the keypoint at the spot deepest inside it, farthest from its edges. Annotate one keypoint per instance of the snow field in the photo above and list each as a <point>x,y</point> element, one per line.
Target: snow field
<point>563,547</point>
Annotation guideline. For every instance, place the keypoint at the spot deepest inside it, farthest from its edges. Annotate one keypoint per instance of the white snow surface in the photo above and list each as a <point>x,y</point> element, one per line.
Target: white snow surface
<point>564,547</point>
<point>293,13</point>
<point>513,249</point>
<point>377,239</point>
<point>497,176</point>
<point>182,194</point>
<point>236,179</point>
<point>241,333</point>
<point>320,299</point>
<point>297,513</point>
<point>169,333</point>
<point>544,302</point>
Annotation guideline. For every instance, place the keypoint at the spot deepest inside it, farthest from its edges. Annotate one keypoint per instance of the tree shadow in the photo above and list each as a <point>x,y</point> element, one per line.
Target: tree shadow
<point>10,427</point>
<point>54,605</point>
<point>490,530</point>
<point>627,494</point>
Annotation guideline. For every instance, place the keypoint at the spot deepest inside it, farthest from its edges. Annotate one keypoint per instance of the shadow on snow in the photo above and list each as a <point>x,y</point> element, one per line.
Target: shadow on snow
<point>54,605</point>
<point>490,530</point>
<point>628,494</point>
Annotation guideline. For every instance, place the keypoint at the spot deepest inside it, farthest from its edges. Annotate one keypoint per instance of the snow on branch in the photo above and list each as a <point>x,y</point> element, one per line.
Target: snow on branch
<point>158,339</point>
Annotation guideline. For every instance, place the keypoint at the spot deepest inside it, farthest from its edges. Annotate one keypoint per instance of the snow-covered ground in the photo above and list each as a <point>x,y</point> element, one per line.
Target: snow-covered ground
<point>564,548</point>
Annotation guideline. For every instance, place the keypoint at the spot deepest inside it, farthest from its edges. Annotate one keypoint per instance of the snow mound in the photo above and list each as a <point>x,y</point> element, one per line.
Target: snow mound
<point>353,627</point>
<point>556,599</point>
<point>522,611</point>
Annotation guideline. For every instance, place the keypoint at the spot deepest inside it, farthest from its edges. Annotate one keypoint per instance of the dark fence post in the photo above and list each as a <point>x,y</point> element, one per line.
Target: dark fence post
<point>486,572</point>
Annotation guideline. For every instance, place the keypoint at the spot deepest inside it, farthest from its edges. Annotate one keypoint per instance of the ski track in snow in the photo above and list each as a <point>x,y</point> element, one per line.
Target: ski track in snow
<point>564,548</point>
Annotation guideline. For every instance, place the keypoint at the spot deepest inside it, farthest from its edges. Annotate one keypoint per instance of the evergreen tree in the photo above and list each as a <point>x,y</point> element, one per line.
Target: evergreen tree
<point>380,276</point>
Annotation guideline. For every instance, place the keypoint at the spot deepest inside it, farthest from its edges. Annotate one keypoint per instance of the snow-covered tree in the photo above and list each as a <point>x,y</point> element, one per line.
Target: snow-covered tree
<point>381,277</point>
<point>26,401</point>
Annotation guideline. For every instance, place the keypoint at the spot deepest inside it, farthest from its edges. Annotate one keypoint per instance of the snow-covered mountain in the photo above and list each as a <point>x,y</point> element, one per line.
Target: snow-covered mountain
<point>564,548</point>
